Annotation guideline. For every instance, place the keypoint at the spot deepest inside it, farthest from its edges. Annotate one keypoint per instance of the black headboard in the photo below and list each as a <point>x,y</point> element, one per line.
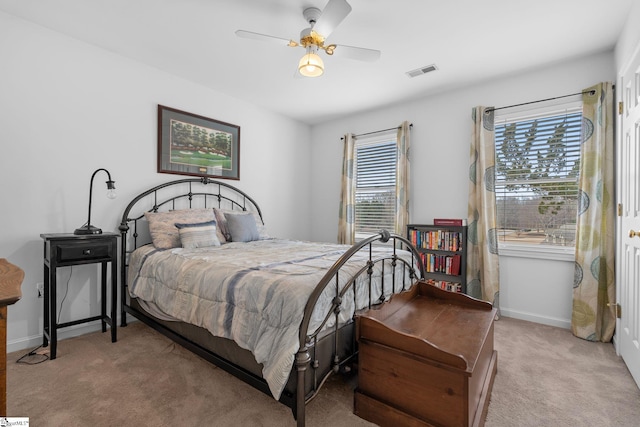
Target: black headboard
<point>179,194</point>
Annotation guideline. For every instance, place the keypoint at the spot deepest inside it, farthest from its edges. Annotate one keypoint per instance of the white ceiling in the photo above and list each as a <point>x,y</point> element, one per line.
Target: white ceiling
<point>468,40</point>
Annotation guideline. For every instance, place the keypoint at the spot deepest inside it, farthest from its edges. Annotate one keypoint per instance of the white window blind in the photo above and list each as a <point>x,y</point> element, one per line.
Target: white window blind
<point>376,164</point>
<point>537,171</point>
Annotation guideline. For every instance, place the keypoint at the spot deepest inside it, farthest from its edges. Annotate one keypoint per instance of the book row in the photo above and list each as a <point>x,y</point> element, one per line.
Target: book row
<point>442,240</point>
<point>447,286</point>
<point>447,264</point>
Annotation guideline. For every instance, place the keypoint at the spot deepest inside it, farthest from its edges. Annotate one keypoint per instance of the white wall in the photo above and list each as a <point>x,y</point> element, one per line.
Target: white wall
<point>66,109</point>
<point>629,37</point>
<point>531,289</point>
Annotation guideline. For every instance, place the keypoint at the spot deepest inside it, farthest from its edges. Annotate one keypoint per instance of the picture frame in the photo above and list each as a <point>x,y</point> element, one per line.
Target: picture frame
<point>189,144</point>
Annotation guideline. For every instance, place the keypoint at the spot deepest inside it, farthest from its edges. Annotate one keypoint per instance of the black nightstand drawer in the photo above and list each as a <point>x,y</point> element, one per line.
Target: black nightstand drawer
<point>83,251</point>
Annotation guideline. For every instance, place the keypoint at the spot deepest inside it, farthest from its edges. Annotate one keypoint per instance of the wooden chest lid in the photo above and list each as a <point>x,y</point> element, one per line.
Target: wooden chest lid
<point>443,326</point>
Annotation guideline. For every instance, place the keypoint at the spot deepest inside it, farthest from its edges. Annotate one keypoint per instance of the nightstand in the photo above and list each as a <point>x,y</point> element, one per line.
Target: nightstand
<point>63,250</point>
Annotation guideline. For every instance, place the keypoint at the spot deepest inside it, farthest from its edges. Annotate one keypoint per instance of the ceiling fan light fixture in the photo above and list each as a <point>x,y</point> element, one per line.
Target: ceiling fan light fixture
<point>311,65</point>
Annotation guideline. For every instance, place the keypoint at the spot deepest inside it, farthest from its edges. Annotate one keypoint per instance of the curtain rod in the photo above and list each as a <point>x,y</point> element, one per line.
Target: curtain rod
<point>590,92</point>
<point>377,131</point>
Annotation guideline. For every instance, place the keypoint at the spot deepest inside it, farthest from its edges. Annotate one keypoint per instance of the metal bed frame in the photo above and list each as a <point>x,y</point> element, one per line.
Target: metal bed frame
<point>204,192</point>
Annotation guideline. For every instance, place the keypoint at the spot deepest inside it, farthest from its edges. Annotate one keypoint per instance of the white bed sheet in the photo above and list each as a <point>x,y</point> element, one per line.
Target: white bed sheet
<point>254,293</point>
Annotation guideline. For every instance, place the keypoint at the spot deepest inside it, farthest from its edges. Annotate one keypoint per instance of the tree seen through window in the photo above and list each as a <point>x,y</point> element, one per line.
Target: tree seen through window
<point>537,169</point>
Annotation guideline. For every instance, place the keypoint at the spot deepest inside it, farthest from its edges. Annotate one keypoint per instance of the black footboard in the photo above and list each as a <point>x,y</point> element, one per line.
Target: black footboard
<point>411,269</point>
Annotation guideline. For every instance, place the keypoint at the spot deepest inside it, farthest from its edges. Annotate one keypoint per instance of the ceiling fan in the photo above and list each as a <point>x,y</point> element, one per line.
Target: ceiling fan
<point>322,23</point>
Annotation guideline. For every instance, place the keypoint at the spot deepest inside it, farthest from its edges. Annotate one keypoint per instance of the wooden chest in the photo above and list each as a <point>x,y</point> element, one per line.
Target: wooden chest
<point>426,358</point>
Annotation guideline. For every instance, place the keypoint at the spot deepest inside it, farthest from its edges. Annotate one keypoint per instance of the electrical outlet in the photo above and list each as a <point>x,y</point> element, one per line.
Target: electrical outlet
<point>40,288</point>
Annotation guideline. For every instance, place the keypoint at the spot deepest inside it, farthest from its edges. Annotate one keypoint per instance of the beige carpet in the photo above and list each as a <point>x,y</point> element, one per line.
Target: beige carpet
<point>546,377</point>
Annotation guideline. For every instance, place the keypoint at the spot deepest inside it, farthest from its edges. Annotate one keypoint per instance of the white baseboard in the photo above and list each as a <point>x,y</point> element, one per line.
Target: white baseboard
<point>76,330</point>
<point>536,318</point>
<point>68,332</point>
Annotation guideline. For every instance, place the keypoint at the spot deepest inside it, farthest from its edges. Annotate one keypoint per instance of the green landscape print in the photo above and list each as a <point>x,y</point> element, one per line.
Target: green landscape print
<point>200,146</point>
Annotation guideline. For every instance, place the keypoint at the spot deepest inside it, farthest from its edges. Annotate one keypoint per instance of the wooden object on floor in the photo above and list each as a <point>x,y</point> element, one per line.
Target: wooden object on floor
<point>10,281</point>
<point>426,358</point>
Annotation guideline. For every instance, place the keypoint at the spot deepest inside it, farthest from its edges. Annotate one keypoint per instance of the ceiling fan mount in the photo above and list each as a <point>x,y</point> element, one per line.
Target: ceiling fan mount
<point>311,15</point>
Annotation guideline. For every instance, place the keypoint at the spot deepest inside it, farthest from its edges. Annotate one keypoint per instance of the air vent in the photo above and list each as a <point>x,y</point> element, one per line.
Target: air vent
<point>422,70</point>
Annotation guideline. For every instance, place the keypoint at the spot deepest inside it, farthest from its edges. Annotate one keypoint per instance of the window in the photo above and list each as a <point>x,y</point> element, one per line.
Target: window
<point>375,180</point>
<point>537,171</point>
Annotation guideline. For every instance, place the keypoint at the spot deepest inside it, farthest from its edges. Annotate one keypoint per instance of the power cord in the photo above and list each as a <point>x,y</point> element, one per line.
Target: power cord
<point>28,358</point>
<point>42,357</point>
<point>66,292</point>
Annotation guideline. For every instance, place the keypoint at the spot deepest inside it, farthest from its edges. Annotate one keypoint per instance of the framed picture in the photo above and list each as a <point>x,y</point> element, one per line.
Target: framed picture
<point>189,144</point>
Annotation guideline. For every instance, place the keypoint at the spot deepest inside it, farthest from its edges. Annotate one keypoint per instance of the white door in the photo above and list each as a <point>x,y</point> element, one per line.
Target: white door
<point>628,224</point>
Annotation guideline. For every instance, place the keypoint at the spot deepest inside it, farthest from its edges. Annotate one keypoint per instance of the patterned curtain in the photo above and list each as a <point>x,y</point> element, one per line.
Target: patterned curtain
<point>594,284</point>
<point>346,215</point>
<point>483,279</point>
<point>402,179</point>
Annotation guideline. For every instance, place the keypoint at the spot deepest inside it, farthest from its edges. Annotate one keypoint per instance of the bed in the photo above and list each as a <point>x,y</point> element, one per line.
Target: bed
<point>200,267</point>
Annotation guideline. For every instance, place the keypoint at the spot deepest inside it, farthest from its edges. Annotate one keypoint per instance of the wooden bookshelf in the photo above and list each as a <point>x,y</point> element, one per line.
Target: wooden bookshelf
<point>444,253</point>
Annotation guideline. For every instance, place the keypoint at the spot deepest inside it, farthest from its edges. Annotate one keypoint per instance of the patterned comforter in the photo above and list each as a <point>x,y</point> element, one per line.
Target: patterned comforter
<point>253,293</point>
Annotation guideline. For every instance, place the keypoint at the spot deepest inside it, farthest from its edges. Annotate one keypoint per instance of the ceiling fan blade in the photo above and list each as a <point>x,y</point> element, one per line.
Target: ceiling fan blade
<point>263,37</point>
<point>358,53</point>
<point>333,14</point>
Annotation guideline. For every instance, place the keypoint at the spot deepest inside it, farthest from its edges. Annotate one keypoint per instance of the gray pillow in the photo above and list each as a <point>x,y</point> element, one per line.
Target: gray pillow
<point>242,227</point>
<point>200,235</point>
